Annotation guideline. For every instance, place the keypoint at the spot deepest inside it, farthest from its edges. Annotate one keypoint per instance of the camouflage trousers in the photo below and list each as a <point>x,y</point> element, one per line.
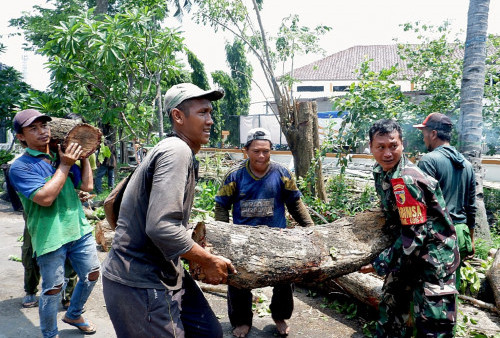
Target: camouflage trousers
<point>406,310</point>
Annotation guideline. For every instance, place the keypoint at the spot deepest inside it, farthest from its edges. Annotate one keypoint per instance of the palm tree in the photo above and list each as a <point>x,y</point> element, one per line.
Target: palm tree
<point>470,126</point>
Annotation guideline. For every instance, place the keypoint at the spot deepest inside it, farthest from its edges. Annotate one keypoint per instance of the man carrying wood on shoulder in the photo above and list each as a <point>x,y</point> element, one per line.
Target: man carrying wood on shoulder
<point>46,183</point>
<point>147,291</point>
<point>420,265</point>
<point>257,190</point>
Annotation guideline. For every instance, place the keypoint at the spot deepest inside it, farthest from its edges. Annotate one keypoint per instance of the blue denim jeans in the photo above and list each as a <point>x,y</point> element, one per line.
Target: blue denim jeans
<point>102,171</point>
<point>83,256</point>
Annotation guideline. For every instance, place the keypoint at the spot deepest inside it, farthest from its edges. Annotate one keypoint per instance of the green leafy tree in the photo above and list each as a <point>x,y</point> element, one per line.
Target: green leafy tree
<point>12,89</point>
<point>237,87</point>
<point>374,96</point>
<point>116,66</point>
<point>235,17</point>
<point>199,77</point>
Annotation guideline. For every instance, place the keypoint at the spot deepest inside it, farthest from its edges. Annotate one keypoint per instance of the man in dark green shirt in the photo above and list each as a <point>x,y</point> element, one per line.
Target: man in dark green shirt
<point>456,179</point>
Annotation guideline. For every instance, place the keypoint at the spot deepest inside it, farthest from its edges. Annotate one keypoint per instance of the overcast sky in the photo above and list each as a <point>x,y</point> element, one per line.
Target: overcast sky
<point>353,22</point>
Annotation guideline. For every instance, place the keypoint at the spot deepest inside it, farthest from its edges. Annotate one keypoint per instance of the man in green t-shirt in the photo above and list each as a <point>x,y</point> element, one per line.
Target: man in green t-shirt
<point>46,182</point>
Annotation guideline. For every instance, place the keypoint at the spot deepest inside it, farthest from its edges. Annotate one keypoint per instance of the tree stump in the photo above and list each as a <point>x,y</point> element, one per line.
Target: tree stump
<point>266,256</point>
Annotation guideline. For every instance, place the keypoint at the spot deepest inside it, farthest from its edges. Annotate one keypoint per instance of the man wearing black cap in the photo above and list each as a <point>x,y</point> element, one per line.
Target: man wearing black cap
<point>456,179</point>
<point>147,291</point>
<point>46,182</point>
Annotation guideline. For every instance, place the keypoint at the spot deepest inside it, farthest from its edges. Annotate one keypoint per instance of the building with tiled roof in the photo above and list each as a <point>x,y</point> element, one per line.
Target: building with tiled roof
<point>342,65</point>
<point>332,75</point>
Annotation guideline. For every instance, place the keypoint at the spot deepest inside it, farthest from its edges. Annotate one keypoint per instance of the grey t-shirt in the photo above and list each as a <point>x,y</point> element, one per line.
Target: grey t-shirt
<point>151,231</point>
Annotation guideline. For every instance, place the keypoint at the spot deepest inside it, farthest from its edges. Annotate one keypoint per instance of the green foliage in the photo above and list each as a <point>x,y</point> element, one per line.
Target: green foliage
<point>5,156</point>
<point>12,89</point>
<point>99,212</point>
<point>435,69</point>
<point>464,328</point>
<point>350,310</point>
<point>114,65</point>
<point>198,76</point>
<point>14,258</point>
<point>204,200</point>
<point>471,277</point>
<point>104,152</point>
<point>369,328</point>
<point>237,85</point>
<point>345,198</point>
<point>293,39</point>
<point>373,97</point>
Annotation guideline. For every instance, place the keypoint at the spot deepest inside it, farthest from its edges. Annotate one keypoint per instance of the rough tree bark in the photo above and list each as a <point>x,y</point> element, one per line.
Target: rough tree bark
<point>493,277</point>
<point>265,256</point>
<point>470,127</point>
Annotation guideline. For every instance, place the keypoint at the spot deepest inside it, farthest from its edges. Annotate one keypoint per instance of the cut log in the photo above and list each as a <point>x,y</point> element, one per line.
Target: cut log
<point>493,277</point>
<point>266,256</point>
<point>104,235</point>
<point>66,131</point>
<point>367,288</point>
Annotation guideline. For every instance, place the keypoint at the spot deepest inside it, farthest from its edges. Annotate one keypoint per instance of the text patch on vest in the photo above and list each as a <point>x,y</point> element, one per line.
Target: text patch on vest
<point>257,208</point>
<point>410,210</point>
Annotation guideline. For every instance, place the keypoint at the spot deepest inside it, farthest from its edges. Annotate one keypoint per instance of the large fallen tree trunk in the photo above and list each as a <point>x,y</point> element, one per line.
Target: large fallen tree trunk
<point>267,256</point>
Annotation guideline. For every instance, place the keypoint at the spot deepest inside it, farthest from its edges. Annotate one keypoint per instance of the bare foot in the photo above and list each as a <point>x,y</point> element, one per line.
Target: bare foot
<point>282,327</point>
<point>241,331</point>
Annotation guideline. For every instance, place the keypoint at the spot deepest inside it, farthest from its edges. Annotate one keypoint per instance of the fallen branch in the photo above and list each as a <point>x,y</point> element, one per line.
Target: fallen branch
<point>479,303</point>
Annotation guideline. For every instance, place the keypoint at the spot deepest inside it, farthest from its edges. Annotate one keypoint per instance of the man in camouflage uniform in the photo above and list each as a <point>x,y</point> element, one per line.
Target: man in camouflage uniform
<point>420,265</point>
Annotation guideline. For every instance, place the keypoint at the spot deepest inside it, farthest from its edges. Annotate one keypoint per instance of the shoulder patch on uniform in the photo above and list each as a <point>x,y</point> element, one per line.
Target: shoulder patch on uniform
<point>410,210</point>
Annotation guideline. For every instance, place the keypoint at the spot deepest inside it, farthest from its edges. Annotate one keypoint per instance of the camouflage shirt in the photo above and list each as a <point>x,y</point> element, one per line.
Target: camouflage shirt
<point>426,248</point>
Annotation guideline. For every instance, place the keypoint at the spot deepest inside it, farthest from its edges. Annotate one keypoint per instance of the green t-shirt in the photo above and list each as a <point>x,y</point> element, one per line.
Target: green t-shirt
<point>53,226</point>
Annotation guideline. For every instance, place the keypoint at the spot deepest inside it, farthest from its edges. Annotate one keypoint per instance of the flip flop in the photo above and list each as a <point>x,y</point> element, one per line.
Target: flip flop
<point>85,327</point>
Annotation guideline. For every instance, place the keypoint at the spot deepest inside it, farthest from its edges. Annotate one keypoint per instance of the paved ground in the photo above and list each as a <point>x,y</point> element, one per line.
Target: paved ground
<point>309,319</point>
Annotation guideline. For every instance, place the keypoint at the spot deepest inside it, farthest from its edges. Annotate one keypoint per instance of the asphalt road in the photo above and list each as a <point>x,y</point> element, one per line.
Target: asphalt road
<point>309,320</point>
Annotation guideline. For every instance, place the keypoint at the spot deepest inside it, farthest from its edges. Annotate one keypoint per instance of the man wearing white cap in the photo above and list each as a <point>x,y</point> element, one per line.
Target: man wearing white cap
<point>257,190</point>
<point>146,289</point>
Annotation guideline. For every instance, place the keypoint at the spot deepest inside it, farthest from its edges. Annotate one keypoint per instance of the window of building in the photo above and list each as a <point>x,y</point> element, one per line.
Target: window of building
<point>310,88</point>
<point>339,88</point>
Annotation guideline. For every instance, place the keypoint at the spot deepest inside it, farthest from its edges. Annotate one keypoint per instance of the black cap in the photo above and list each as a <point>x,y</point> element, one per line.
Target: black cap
<point>26,117</point>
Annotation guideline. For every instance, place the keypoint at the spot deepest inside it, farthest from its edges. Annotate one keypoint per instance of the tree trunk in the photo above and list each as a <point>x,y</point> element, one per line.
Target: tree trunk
<point>320,190</point>
<point>159,108</point>
<point>303,140</point>
<point>493,276</point>
<point>302,134</point>
<point>471,102</point>
<point>101,7</point>
<point>268,256</point>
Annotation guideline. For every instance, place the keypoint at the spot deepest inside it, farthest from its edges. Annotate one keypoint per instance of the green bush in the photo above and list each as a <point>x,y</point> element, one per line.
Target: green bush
<point>5,156</point>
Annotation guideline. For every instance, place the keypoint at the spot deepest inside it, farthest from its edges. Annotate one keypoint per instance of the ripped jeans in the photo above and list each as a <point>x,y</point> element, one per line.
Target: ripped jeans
<point>83,256</point>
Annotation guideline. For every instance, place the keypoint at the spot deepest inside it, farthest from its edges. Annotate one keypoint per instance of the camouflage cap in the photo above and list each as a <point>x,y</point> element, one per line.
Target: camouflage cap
<point>436,121</point>
<point>184,91</point>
